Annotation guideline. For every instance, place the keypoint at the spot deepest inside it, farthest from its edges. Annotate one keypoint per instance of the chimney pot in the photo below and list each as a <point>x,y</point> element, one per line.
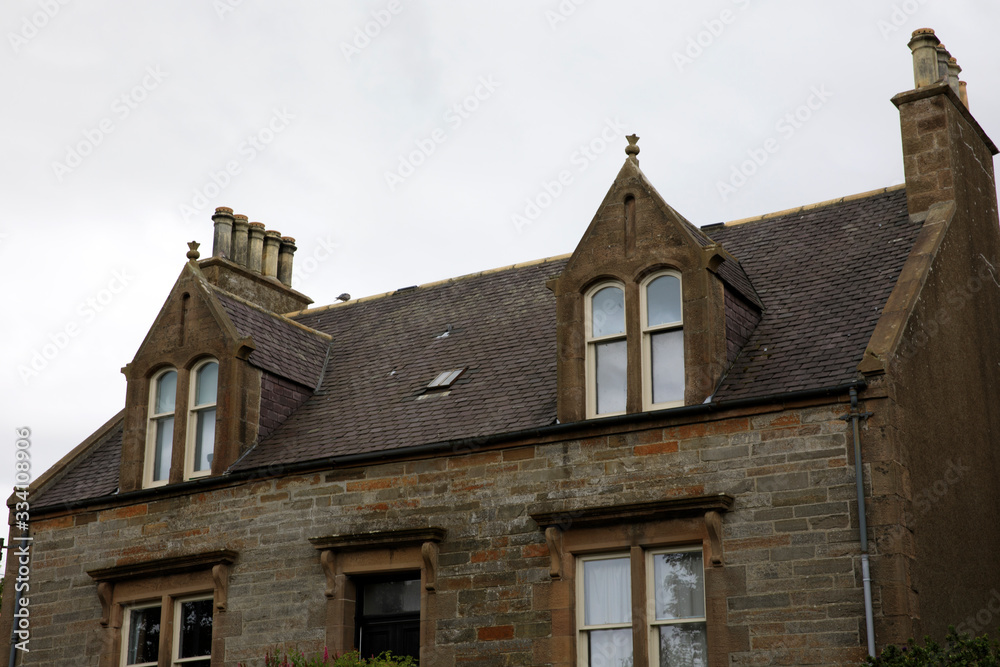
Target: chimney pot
<point>924,45</point>
<point>285,254</point>
<point>943,58</point>
<point>963,94</point>
<point>953,71</point>
<point>255,252</point>
<point>223,237</point>
<point>272,244</point>
<point>241,228</point>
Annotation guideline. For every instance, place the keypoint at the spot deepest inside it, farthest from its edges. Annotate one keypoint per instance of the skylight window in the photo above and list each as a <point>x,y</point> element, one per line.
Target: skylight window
<point>445,380</point>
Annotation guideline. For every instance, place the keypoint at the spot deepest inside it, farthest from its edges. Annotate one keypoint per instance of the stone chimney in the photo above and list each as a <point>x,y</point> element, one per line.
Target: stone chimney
<point>947,156</point>
<point>251,263</point>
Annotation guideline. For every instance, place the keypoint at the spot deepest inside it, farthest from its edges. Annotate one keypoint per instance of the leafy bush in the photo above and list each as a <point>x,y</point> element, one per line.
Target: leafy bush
<point>352,659</point>
<point>958,651</point>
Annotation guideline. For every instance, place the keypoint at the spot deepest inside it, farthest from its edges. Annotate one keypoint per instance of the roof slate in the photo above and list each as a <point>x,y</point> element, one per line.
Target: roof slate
<point>93,474</point>
<point>500,328</point>
<point>823,275</point>
<point>282,348</point>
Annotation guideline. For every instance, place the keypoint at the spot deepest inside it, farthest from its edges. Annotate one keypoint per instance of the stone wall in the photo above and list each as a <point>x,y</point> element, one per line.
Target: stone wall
<point>789,591</point>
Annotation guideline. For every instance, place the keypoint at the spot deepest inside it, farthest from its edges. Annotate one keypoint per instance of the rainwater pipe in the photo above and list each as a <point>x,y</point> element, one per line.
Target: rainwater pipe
<point>854,415</point>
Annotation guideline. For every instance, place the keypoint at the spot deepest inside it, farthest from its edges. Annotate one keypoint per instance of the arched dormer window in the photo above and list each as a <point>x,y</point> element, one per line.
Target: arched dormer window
<point>160,432</point>
<point>662,341</point>
<point>607,379</point>
<point>200,449</point>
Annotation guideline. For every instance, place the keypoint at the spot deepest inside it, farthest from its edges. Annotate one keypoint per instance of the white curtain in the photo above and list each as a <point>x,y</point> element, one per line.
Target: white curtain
<point>607,591</point>
<point>611,648</point>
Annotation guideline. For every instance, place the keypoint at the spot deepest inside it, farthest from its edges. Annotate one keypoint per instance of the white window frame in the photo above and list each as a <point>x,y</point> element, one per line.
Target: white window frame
<point>592,343</point>
<point>647,340</point>
<point>653,625</point>
<point>175,639</point>
<point>127,627</point>
<point>191,439</point>
<point>152,427</point>
<point>582,630</point>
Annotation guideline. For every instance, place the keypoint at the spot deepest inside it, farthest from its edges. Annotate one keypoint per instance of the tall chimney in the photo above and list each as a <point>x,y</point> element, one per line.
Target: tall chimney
<point>255,252</point>
<point>285,260</point>
<point>943,57</point>
<point>925,57</point>
<point>222,241</point>
<point>953,71</point>
<point>272,244</point>
<point>241,228</point>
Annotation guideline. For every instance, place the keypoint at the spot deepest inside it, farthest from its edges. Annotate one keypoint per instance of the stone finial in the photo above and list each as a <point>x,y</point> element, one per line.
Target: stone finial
<point>632,150</point>
<point>192,252</point>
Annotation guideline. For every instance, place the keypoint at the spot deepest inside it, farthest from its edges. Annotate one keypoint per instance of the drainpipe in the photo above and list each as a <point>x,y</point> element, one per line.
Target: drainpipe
<point>854,415</point>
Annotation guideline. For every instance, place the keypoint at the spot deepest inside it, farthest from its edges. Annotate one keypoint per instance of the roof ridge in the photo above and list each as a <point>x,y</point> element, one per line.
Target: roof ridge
<point>278,316</point>
<point>809,207</point>
<point>435,283</point>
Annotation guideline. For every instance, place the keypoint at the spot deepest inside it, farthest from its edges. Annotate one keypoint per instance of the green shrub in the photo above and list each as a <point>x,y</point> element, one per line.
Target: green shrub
<point>958,651</point>
<point>352,659</point>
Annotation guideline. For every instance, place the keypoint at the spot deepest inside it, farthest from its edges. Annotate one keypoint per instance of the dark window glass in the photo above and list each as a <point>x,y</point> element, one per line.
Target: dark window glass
<point>143,636</point>
<point>388,616</point>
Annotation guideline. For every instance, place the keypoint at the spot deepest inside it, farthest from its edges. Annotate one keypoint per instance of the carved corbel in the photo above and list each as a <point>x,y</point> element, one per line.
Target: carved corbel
<point>713,521</point>
<point>220,577</point>
<point>104,594</point>
<point>328,559</point>
<point>553,538</point>
<point>429,551</point>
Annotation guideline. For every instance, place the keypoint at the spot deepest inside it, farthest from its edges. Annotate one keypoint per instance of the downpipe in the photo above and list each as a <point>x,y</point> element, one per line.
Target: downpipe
<point>854,415</point>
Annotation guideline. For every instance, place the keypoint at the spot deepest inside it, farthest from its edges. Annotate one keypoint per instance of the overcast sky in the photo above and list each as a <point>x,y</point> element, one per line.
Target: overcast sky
<point>402,142</point>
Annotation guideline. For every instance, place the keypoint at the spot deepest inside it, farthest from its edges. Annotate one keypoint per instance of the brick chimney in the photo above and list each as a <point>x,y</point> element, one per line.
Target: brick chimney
<point>946,154</point>
<point>252,263</point>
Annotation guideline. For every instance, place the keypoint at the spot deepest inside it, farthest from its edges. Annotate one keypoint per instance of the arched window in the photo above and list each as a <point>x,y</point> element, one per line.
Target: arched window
<point>160,434</point>
<point>201,421</point>
<point>607,383</point>
<point>663,341</point>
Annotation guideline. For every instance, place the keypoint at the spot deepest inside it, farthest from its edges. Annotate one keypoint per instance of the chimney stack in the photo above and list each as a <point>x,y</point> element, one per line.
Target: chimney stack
<point>272,245</point>
<point>241,227</point>
<point>255,254</point>
<point>285,260</point>
<point>223,239</point>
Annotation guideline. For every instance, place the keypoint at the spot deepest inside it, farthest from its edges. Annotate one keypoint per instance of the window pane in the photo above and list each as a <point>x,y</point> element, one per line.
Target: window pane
<point>166,392</point>
<point>164,444</point>
<point>207,384</point>
<point>611,382</point>
<point>668,366</point>
<point>607,312</point>
<point>679,584</point>
<point>143,636</point>
<point>204,447</point>
<point>392,597</point>
<point>196,629</point>
<point>683,645</point>
<point>663,301</point>
<point>607,591</point>
<point>611,648</point>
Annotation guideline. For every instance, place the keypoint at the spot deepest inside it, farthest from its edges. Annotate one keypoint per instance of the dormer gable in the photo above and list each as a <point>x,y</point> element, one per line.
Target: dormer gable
<point>642,306</point>
<point>196,385</point>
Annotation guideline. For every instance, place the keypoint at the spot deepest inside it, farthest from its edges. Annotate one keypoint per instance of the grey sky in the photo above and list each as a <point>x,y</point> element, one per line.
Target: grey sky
<point>127,122</point>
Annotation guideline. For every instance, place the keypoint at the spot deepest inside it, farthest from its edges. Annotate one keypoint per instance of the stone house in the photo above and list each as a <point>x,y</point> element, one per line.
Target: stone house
<point>750,443</point>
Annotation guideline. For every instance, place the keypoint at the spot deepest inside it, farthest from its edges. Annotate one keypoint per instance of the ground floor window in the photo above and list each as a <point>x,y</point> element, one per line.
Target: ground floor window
<point>189,644</point>
<point>671,583</point>
<point>388,615</point>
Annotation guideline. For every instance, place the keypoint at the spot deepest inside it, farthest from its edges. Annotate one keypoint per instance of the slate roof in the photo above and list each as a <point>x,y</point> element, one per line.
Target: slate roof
<point>283,348</point>
<point>823,275</point>
<point>501,328</point>
<point>93,474</point>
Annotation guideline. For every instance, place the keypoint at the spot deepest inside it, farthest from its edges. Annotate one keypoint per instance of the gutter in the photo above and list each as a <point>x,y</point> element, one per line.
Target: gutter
<point>455,446</point>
